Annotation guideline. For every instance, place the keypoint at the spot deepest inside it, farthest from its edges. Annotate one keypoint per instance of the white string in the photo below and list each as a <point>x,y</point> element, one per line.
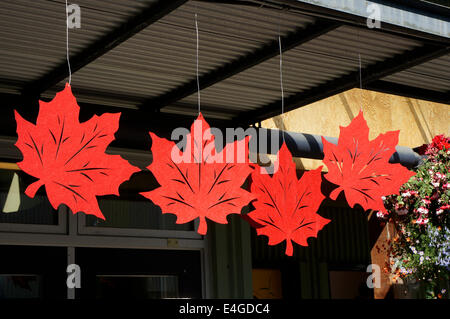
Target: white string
<point>281,79</point>
<point>67,44</point>
<point>198,80</point>
<point>360,80</point>
<point>360,77</point>
<point>281,76</point>
<point>360,70</point>
<point>281,67</point>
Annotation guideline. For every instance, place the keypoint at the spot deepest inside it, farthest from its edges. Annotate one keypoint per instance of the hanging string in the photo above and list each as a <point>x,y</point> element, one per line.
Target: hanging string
<point>360,77</point>
<point>67,44</point>
<point>281,76</point>
<point>281,69</point>
<point>360,72</point>
<point>198,79</point>
<point>360,81</point>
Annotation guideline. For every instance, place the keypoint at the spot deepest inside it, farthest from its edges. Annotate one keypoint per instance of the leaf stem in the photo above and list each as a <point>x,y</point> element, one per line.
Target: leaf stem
<point>335,193</point>
<point>202,227</point>
<point>33,188</point>
<point>289,248</point>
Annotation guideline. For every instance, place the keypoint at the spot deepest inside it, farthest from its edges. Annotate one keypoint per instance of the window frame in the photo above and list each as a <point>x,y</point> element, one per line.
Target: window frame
<point>10,153</point>
<point>72,231</point>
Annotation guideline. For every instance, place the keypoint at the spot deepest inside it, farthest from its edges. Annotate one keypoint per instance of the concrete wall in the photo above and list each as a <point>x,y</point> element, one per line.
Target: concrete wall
<point>418,121</point>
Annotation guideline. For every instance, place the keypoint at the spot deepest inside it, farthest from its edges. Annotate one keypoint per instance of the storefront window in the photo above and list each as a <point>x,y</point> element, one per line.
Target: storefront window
<point>145,287</point>
<point>132,210</point>
<point>137,213</point>
<point>19,286</point>
<point>18,208</point>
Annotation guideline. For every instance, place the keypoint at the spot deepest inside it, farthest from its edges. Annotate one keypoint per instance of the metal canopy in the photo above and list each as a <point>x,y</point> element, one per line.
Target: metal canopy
<point>140,55</point>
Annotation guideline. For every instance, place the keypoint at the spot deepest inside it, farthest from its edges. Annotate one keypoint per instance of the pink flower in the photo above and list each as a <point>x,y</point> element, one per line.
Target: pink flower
<point>422,210</point>
<point>422,221</point>
<point>406,194</point>
<point>440,176</point>
<point>381,214</point>
<point>402,211</point>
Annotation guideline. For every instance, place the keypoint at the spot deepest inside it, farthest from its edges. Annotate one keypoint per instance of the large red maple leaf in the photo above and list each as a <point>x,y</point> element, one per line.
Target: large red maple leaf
<point>206,184</point>
<point>68,157</point>
<point>361,167</point>
<point>285,208</point>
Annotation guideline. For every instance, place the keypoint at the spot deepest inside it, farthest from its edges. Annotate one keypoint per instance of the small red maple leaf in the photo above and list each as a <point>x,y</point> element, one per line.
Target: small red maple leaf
<point>68,157</point>
<point>200,182</point>
<point>285,208</point>
<point>361,167</point>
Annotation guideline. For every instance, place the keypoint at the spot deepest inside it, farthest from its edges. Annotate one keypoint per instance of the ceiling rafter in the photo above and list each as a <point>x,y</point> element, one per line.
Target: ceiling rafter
<point>369,74</point>
<point>266,52</point>
<point>409,91</point>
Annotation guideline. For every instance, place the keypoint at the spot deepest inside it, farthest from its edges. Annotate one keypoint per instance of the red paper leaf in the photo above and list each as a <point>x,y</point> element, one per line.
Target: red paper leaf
<point>286,207</point>
<point>68,157</point>
<point>361,167</point>
<point>197,187</point>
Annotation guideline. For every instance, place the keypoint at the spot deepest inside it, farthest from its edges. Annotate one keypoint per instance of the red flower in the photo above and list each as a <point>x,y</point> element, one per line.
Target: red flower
<point>441,141</point>
<point>438,143</point>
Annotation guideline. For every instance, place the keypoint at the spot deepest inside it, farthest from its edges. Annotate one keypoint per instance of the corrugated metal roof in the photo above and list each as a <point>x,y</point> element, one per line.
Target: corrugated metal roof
<point>304,67</point>
<point>33,33</point>
<point>161,57</point>
<point>433,75</point>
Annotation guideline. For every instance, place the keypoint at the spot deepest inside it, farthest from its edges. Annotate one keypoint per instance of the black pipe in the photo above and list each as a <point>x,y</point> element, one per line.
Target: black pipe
<point>310,146</point>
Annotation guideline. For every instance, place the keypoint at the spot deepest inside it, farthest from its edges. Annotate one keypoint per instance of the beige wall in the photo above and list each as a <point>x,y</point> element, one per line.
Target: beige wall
<point>417,120</point>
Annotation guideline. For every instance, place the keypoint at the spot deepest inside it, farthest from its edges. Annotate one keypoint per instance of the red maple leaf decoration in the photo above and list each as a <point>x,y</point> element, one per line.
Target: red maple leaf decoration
<point>68,157</point>
<point>285,208</point>
<point>361,167</point>
<point>199,187</point>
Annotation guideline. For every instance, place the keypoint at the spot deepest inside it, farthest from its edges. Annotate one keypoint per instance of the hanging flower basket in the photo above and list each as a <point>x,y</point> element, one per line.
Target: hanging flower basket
<point>420,248</point>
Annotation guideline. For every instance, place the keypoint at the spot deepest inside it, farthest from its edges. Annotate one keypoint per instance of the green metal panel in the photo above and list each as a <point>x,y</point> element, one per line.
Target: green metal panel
<point>314,280</point>
<point>230,255</point>
<point>234,247</point>
<point>344,240</point>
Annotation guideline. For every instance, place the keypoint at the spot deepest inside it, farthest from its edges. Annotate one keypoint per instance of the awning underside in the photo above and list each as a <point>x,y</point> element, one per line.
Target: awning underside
<point>140,55</point>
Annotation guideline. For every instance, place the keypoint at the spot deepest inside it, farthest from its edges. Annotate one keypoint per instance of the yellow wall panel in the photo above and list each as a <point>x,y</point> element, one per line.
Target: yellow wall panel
<point>417,120</point>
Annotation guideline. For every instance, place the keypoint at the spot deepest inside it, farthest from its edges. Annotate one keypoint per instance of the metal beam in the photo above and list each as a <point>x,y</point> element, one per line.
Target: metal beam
<point>318,12</point>
<point>370,74</point>
<point>106,43</point>
<point>243,63</point>
<point>134,124</point>
<point>430,23</point>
